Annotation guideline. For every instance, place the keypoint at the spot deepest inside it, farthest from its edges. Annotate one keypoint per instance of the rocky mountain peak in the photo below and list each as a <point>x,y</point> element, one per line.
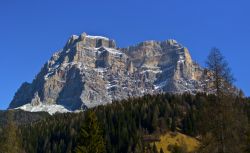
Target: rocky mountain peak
<point>90,41</point>
<point>91,71</point>
<point>171,42</point>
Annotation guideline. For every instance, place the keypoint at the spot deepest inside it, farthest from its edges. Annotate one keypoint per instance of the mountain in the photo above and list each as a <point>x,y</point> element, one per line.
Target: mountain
<point>91,71</point>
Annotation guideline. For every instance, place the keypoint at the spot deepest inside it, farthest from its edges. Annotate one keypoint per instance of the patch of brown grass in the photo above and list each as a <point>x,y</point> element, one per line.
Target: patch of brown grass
<point>178,139</point>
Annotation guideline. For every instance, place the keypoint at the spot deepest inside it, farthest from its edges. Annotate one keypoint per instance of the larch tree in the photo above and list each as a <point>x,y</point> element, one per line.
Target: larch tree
<point>222,123</point>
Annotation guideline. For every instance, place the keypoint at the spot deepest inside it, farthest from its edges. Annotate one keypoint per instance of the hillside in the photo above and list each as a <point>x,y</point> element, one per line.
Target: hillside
<point>125,124</point>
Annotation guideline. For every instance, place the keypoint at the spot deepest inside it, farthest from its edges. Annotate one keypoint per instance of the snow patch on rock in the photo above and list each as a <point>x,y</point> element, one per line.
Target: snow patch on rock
<point>51,109</point>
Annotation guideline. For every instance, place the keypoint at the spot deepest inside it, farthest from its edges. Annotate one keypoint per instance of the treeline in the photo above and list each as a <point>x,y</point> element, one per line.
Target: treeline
<point>21,117</point>
<point>124,124</point>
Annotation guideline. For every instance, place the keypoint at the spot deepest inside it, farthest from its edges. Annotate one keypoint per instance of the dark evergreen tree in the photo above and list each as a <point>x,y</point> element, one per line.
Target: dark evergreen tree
<point>154,149</point>
<point>91,137</point>
<point>161,150</point>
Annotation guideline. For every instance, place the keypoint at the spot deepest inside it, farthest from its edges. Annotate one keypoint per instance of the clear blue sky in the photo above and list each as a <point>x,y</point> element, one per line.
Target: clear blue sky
<point>31,30</point>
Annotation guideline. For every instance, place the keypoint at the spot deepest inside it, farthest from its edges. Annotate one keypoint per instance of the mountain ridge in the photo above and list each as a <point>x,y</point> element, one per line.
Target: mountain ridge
<point>91,71</point>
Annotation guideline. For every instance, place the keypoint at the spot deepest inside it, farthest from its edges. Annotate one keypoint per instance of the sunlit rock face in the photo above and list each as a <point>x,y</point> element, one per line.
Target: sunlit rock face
<point>91,71</point>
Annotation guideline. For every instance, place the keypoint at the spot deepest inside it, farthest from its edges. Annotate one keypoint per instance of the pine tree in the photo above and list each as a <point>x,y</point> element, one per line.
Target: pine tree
<point>91,137</point>
<point>154,149</point>
<point>161,150</point>
<point>155,118</point>
<point>138,148</point>
<point>173,124</point>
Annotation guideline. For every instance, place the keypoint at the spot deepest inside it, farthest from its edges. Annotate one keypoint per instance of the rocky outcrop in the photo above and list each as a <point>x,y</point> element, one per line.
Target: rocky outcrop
<point>91,71</point>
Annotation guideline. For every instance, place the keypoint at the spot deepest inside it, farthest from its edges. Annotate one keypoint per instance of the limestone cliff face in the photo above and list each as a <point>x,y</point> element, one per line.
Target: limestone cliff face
<point>90,71</point>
